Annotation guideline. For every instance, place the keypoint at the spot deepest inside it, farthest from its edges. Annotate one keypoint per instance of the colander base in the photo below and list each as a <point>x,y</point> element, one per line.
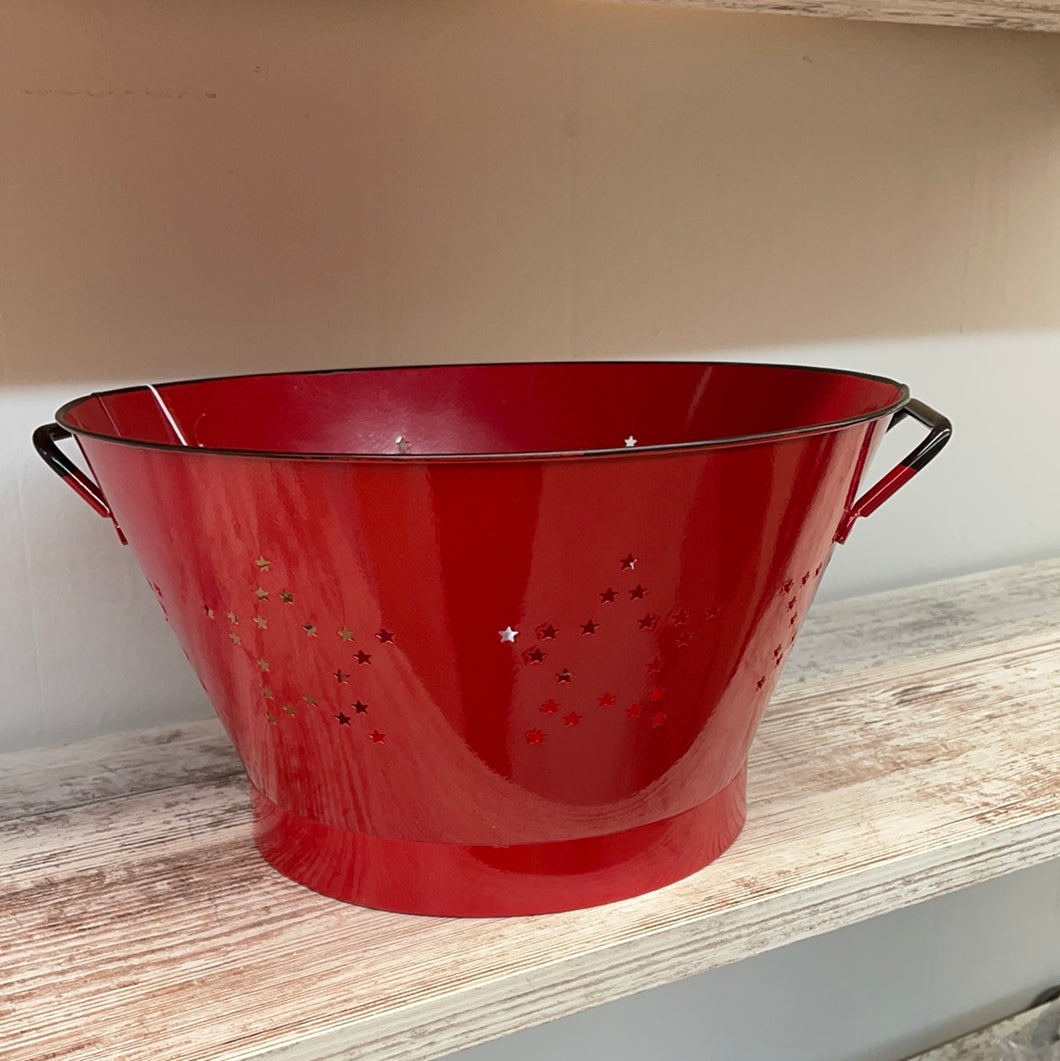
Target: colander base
<point>452,880</point>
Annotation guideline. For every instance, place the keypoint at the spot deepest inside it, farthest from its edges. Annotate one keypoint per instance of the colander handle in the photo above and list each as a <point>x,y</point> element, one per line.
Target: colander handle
<point>44,440</point>
<point>939,432</point>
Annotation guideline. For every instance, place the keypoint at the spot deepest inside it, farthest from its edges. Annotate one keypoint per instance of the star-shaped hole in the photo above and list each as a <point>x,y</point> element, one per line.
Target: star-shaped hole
<point>376,737</point>
<point>658,719</point>
<point>792,603</point>
<point>270,717</point>
<point>629,441</point>
<point>288,709</point>
<point>310,629</point>
<point>633,711</point>
<point>233,618</point>
<point>606,699</point>
<point>655,666</point>
<point>385,636</point>
<point>805,578</point>
<point>267,692</point>
<point>286,596</point>
<point>684,638</point>
<point>549,707</point>
<point>589,627</point>
<point>608,596</point>
<point>311,700</point>
<point>535,736</point>
<point>818,570</point>
<point>647,622</point>
<point>341,677</point>
<point>628,562</point>
<point>680,617</point>
<point>346,634</point>
<point>261,593</point>
<point>508,635</point>
<point>236,639</point>
<point>572,719</point>
<point>761,682</point>
<point>403,444</point>
<point>360,707</point>
<point>655,694</point>
<point>342,719</point>
<point>263,564</point>
<point>261,622</point>
<point>564,676</point>
<point>534,655</point>
<point>208,611</point>
<point>637,592</point>
<point>363,657</point>
<point>263,664</point>
<point>547,632</point>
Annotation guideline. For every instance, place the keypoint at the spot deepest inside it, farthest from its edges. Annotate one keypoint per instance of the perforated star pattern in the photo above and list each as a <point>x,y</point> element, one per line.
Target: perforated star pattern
<point>645,698</point>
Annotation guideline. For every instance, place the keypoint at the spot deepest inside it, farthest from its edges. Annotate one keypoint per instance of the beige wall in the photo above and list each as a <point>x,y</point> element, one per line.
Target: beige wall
<point>197,186</point>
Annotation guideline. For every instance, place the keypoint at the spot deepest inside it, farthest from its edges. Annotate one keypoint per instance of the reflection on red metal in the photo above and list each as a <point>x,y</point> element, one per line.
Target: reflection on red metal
<point>489,639</point>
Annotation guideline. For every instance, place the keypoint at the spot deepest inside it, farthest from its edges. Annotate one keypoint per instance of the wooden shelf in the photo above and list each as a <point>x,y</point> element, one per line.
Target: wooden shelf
<point>911,750</point>
<point>998,14</point>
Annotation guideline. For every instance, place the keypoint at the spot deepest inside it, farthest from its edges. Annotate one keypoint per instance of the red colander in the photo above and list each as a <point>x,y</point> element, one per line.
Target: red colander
<point>490,639</point>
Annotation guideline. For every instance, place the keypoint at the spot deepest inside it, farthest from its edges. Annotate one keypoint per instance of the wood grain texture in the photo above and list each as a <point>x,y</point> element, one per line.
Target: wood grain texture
<point>910,751</point>
<point>997,14</point>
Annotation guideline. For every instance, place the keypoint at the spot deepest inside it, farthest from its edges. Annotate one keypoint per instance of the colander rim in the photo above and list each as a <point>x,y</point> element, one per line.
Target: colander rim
<point>663,448</point>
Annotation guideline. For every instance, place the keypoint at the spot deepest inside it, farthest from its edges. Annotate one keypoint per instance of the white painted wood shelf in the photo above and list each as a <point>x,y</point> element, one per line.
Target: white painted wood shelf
<point>997,14</point>
<point>911,750</point>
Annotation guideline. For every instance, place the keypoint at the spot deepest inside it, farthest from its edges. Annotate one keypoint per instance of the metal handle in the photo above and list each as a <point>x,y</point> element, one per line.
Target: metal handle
<point>939,432</point>
<point>44,440</point>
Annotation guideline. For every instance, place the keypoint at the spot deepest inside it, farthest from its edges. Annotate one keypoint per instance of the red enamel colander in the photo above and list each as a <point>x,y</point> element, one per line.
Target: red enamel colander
<point>490,639</point>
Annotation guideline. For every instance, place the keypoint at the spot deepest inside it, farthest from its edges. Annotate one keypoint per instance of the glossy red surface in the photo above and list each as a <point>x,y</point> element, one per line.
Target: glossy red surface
<point>493,684</point>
